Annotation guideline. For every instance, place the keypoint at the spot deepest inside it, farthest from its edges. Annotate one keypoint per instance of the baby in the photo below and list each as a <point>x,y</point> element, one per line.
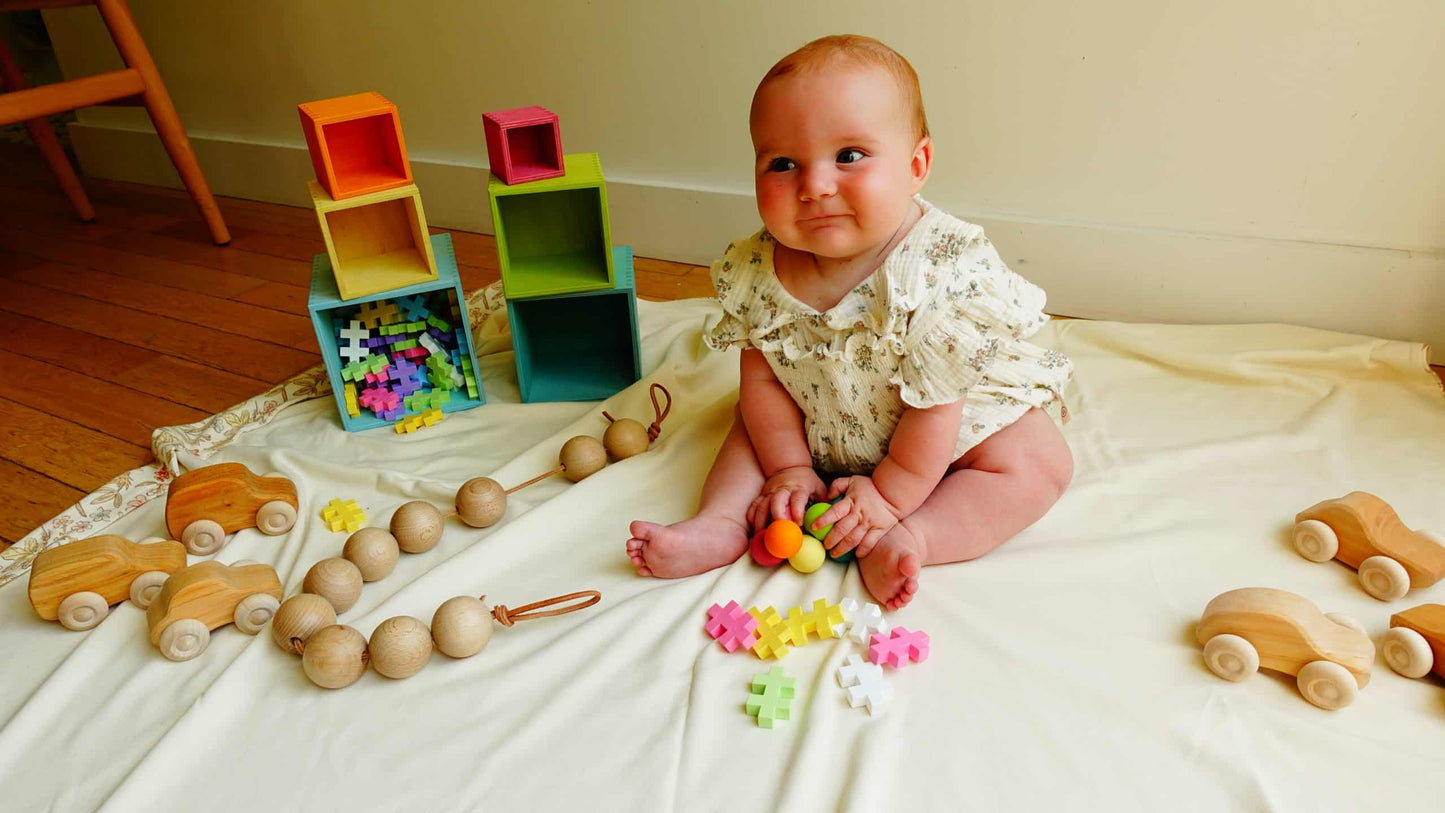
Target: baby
<point>884,366</point>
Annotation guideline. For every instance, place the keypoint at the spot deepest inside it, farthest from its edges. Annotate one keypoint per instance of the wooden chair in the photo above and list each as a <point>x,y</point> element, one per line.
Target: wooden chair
<point>138,79</point>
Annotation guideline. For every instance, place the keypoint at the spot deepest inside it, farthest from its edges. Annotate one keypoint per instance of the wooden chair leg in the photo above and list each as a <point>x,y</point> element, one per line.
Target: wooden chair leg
<point>163,113</point>
<point>12,79</point>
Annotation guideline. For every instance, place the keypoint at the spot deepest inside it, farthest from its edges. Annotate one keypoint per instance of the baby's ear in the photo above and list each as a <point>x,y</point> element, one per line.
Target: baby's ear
<point>922,162</point>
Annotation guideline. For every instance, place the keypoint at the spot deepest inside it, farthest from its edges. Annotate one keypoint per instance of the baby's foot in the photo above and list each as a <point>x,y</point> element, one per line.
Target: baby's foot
<point>702,543</point>
<point>890,571</point>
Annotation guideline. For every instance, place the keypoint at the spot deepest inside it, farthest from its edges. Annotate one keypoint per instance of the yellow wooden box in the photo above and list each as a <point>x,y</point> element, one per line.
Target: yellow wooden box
<point>376,242</point>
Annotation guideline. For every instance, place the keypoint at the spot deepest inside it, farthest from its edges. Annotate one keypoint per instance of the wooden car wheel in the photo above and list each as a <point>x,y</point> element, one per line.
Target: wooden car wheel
<point>82,611</point>
<point>145,587</point>
<point>1407,652</point>
<point>276,517</point>
<point>255,611</point>
<point>1346,621</point>
<point>1316,541</point>
<point>1384,578</point>
<point>184,639</point>
<point>1327,685</point>
<point>203,537</point>
<point>1231,657</point>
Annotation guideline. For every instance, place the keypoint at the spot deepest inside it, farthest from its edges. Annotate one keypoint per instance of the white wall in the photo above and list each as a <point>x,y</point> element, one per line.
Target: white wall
<point>1140,159</point>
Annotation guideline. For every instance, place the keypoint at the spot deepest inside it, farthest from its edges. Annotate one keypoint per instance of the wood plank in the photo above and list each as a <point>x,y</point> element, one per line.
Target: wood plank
<point>186,382</point>
<point>225,351</point>
<point>665,286</point>
<point>262,324</point>
<point>45,206</point>
<point>67,452</point>
<point>185,276</point>
<point>221,258</point>
<point>256,241</point>
<point>108,408</point>
<point>32,499</point>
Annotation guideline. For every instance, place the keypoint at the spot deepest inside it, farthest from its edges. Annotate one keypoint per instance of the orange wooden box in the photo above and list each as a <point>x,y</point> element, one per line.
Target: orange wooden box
<point>356,144</point>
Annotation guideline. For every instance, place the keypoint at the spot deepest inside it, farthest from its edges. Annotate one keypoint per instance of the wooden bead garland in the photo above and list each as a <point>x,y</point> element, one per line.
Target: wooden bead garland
<point>374,551</point>
<point>417,526</point>
<point>626,438</point>
<point>300,617</point>
<point>336,580</point>
<point>336,656</point>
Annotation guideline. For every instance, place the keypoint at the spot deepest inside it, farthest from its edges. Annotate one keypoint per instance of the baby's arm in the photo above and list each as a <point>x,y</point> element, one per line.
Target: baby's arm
<point>775,427</point>
<point>919,454</point>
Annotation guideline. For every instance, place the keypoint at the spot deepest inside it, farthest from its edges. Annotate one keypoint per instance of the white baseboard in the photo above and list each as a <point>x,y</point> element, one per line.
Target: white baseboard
<point>1089,270</point>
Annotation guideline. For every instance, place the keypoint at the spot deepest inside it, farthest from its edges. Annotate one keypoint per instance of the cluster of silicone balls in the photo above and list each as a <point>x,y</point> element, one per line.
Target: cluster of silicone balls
<point>785,539</point>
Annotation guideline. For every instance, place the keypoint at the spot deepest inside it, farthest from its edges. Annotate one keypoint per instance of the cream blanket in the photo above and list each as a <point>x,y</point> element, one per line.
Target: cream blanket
<point>1063,674</point>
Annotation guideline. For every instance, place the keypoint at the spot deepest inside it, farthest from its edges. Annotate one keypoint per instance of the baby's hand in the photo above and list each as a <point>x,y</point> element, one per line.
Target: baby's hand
<point>785,496</point>
<point>859,520</point>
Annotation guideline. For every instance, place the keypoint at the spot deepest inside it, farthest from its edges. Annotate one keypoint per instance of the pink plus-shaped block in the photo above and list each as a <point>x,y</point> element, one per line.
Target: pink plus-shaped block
<point>732,626</point>
<point>898,647</point>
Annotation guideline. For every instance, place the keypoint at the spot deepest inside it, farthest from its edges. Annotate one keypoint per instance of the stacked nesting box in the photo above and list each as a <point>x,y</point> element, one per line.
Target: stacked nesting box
<point>386,299</point>
<point>570,293</point>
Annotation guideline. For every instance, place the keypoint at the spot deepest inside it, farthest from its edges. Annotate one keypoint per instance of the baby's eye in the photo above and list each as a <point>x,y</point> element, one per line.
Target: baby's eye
<point>780,165</point>
<point>851,155</point>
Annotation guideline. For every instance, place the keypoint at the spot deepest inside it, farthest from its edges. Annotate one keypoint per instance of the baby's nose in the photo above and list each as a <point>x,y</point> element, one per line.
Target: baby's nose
<point>816,183</point>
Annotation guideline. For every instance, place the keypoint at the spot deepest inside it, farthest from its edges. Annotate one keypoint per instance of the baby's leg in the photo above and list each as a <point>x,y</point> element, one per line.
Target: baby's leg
<point>718,534</point>
<point>997,489</point>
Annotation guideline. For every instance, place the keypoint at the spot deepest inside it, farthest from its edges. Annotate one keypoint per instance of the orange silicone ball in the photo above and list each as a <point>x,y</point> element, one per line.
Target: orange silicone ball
<point>783,538</point>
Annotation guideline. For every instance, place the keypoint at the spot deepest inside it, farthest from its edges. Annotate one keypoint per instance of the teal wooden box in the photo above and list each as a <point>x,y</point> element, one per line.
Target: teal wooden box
<point>553,235</point>
<point>325,301</point>
<point>581,346</point>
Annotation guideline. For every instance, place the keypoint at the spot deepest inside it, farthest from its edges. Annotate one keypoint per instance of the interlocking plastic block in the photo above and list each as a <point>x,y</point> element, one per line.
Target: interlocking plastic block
<point>355,337</point>
<point>410,423</point>
<point>772,697</point>
<point>897,647</point>
<point>773,635</point>
<point>441,371</point>
<point>427,400</point>
<point>405,378</point>
<point>524,144</point>
<point>553,235</point>
<point>442,297</point>
<point>824,617</point>
<point>432,417</point>
<point>731,627</point>
<point>406,345</point>
<point>379,400</point>
<point>797,626</point>
<point>356,144</point>
<point>438,323</point>
<point>413,307</point>
<point>861,622</point>
<point>353,408</point>
<point>339,515</point>
<point>375,242</point>
<point>578,347</point>
<point>865,684</point>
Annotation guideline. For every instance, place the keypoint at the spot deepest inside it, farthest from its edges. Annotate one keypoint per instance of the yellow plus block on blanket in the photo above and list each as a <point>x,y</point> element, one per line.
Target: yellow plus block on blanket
<point>823,618</point>
<point>338,515</point>
<point>773,635</point>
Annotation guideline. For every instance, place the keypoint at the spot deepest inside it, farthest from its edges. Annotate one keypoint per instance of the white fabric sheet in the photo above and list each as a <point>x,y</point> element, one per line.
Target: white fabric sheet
<point>1064,672</point>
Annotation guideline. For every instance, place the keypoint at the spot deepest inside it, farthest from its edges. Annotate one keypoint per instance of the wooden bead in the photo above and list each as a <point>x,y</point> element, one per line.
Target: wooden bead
<point>335,657</point>
<point>417,526</point>
<point>481,501</point>
<point>400,647</point>
<point>625,438</point>
<point>582,456</point>
<point>374,551</point>
<point>336,580</point>
<point>461,626</point>
<point>300,617</point>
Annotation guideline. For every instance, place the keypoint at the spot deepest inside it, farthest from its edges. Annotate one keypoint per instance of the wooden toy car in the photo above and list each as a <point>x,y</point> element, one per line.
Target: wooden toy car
<point>204,505</point>
<point>204,596</point>
<point>1245,629</point>
<point>1415,644</point>
<point>1364,532</point>
<point>76,583</point>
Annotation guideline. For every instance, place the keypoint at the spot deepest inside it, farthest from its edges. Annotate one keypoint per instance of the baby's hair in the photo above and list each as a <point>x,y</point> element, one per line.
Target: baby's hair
<point>826,52</point>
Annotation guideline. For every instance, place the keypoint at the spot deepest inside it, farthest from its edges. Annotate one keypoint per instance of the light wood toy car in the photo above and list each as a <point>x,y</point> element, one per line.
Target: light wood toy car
<point>77,583</point>
<point>204,596</point>
<point>1364,532</point>
<point>205,505</point>
<point>1243,630</point>
<point>1415,644</point>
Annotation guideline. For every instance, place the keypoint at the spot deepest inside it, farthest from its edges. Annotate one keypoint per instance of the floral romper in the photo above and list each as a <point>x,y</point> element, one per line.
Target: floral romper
<point>941,319</point>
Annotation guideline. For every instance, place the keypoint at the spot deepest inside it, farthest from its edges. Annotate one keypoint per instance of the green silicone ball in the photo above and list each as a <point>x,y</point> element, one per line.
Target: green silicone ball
<point>814,511</point>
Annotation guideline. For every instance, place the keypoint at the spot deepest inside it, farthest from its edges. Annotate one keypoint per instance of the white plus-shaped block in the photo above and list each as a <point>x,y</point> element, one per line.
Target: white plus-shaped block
<point>865,684</point>
<point>432,345</point>
<point>354,333</point>
<point>860,621</point>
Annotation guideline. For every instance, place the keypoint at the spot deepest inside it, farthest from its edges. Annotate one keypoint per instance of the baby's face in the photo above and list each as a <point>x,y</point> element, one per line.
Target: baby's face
<point>837,160</point>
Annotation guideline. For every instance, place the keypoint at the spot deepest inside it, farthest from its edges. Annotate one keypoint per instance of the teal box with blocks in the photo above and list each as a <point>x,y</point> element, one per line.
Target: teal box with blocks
<point>553,235</point>
<point>579,346</point>
<point>441,299</point>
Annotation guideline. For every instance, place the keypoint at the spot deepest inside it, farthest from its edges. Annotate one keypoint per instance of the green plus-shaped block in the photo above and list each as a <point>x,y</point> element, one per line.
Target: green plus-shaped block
<point>771,698</point>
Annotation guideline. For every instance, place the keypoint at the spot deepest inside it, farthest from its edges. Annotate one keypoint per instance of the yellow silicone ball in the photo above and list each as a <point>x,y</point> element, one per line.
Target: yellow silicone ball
<point>810,556</point>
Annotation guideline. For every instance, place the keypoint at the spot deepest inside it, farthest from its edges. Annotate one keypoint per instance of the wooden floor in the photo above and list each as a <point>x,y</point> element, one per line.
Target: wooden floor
<point>137,320</point>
